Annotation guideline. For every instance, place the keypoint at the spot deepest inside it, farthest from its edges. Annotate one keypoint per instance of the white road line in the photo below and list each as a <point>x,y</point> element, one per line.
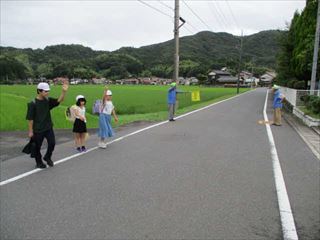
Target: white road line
<point>287,221</point>
<point>115,140</point>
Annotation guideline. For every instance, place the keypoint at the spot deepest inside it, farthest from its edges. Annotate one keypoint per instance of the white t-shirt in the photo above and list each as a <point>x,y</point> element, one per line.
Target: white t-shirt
<point>108,107</point>
<point>81,112</point>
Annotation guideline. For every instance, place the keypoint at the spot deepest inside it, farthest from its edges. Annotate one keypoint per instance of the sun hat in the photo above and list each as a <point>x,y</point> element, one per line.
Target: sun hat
<point>276,86</point>
<point>79,97</point>
<point>109,93</point>
<point>43,86</point>
<point>173,84</point>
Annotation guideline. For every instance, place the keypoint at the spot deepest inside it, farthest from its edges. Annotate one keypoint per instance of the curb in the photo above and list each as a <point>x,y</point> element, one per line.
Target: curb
<point>292,122</point>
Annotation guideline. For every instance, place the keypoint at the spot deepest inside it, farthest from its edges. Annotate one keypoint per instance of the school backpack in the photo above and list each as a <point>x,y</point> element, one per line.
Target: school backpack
<point>70,113</point>
<point>97,105</point>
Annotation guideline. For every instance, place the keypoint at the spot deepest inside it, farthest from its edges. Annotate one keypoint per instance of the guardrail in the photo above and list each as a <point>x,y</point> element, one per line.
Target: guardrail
<point>293,96</point>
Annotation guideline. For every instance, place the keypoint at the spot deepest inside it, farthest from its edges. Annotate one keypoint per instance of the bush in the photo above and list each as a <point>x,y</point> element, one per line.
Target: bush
<point>299,85</point>
<point>291,83</point>
<point>312,103</point>
<point>315,105</point>
<point>305,98</point>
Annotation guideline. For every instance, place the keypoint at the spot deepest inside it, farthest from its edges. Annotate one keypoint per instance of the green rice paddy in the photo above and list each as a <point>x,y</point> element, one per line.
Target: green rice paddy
<point>132,103</point>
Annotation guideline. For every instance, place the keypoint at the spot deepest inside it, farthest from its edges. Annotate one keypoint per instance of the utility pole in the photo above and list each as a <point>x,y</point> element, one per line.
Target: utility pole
<point>315,53</point>
<point>240,60</point>
<point>176,39</point>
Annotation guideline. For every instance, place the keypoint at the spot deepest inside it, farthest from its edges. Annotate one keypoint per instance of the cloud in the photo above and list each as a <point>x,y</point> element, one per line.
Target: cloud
<point>109,25</point>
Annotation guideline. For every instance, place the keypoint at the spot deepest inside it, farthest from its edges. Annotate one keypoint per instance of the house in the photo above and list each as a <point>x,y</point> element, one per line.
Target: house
<point>60,80</point>
<point>245,75</point>
<point>267,78</point>
<point>130,81</point>
<point>191,81</point>
<point>98,80</point>
<point>221,77</point>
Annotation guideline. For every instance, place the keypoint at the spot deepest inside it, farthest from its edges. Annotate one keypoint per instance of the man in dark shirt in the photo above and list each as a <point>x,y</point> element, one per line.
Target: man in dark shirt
<point>40,123</point>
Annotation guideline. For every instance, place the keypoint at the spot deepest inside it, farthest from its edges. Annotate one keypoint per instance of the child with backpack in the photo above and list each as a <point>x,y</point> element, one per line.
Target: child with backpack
<point>79,125</point>
<point>105,128</point>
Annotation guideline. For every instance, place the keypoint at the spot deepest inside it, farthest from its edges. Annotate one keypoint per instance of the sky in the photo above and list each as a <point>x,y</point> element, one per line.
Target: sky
<point>109,25</point>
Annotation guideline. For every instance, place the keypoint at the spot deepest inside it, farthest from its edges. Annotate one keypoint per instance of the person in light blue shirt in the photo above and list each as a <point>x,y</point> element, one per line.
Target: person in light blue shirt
<point>277,105</point>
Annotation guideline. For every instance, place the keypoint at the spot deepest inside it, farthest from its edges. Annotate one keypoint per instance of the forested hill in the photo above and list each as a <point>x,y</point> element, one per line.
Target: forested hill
<point>198,54</point>
<point>210,48</point>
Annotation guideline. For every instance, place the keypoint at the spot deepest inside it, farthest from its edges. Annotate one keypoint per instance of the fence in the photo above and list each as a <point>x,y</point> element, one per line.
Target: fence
<point>293,96</point>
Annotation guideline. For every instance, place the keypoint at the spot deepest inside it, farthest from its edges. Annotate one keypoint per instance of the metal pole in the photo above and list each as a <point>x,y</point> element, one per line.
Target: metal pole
<point>315,52</point>
<point>240,59</point>
<point>176,40</point>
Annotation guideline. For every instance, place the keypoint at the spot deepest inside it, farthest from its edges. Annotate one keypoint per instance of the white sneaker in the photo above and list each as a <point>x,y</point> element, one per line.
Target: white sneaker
<point>102,145</point>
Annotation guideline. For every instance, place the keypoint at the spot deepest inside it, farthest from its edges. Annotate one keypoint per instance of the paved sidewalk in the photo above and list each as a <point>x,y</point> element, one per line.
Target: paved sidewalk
<point>311,136</point>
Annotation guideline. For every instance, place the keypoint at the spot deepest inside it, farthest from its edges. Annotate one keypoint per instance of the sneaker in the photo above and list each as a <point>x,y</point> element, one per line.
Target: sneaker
<point>49,162</point>
<point>41,165</point>
<point>78,149</point>
<point>171,120</point>
<point>83,149</point>
<point>102,145</point>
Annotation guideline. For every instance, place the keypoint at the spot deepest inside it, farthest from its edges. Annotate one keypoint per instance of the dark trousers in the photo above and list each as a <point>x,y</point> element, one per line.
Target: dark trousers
<point>171,108</point>
<point>38,138</point>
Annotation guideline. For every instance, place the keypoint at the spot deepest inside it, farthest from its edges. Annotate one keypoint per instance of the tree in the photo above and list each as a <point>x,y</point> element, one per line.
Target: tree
<point>187,67</point>
<point>44,70</point>
<point>11,69</point>
<point>295,58</point>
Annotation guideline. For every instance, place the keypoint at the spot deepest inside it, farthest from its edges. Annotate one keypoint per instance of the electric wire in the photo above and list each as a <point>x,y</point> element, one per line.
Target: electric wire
<point>167,6</point>
<point>224,18</point>
<point>194,13</point>
<point>232,15</point>
<point>154,8</point>
<point>216,16</point>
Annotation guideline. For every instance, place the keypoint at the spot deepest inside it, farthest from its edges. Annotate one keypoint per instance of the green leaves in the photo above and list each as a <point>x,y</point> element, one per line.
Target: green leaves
<point>295,58</point>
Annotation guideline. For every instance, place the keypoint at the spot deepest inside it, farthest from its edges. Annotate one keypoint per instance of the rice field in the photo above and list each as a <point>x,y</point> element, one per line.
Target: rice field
<point>132,103</point>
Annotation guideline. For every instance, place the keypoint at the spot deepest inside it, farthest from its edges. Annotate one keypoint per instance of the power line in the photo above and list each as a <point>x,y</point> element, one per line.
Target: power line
<point>196,15</point>
<point>215,14</point>
<point>164,4</point>
<point>188,29</point>
<point>224,18</point>
<point>232,15</point>
<point>150,6</point>
<point>154,8</point>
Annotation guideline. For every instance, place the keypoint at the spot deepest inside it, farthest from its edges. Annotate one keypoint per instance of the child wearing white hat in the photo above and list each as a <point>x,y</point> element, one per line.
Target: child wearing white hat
<point>105,128</point>
<point>79,125</point>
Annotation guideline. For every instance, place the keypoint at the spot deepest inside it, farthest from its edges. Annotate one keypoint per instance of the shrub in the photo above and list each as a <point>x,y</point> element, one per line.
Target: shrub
<point>299,85</point>
<point>312,103</point>
<point>305,98</point>
<point>315,105</point>
<point>291,83</point>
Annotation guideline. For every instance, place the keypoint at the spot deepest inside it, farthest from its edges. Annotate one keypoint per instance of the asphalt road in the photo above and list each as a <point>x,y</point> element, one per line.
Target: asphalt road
<point>209,175</point>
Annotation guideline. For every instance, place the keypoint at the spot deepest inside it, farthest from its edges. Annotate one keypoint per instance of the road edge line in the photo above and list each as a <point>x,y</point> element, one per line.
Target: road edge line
<point>4,182</point>
<point>287,220</point>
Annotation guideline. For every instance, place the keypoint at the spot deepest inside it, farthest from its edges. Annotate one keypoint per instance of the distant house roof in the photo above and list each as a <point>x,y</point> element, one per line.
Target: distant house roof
<point>227,79</point>
<point>220,72</point>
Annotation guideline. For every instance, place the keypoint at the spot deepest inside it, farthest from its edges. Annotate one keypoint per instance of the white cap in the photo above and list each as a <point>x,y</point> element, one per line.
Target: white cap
<point>109,93</point>
<point>43,86</point>
<point>79,96</point>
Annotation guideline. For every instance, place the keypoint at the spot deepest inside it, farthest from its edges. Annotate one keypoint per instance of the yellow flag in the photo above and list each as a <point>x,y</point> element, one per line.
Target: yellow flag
<point>195,96</point>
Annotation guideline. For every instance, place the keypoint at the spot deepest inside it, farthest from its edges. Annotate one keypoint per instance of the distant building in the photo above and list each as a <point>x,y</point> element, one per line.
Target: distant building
<point>267,78</point>
<point>98,80</point>
<point>221,77</point>
<point>59,80</point>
